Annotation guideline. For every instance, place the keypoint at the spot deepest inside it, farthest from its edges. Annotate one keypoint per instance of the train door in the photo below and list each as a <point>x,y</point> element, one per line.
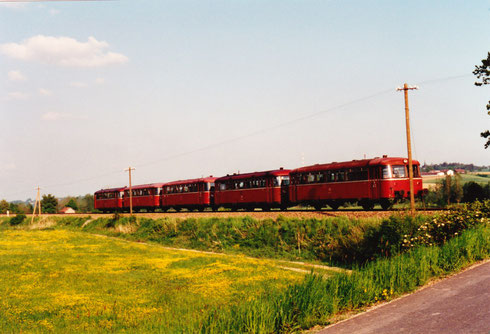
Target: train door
<point>270,189</point>
<point>374,184</point>
<point>210,188</point>
<point>284,190</point>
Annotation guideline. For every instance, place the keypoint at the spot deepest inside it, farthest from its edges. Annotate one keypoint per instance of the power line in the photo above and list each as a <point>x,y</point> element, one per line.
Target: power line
<point>251,134</point>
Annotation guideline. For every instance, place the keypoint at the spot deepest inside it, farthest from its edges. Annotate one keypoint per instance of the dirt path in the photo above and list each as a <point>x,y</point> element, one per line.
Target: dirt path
<point>307,266</point>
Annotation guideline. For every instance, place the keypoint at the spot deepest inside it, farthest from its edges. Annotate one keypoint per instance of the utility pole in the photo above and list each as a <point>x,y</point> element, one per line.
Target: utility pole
<point>130,190</point>
<point>406,88</point>
<point>37,204</point>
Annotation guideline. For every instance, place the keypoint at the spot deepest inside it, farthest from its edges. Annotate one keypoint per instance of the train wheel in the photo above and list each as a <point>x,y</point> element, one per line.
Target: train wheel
<point>318,207</point>
<point>367,205</point>
<point>334,205</point>
<point>386,204</point>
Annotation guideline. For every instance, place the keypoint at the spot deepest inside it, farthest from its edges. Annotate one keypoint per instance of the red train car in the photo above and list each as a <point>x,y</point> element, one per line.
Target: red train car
<point>108,200</point>
<point>146,196</point>
<point>188,194</point>
<point>371,181</point>
<point>264,190</point>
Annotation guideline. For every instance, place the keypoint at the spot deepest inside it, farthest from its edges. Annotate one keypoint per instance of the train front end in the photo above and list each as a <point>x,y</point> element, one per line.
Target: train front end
<point>393,183</point>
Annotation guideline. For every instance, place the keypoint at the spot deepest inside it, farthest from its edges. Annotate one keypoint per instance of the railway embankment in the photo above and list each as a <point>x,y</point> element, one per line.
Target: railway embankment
<point>388,256</point>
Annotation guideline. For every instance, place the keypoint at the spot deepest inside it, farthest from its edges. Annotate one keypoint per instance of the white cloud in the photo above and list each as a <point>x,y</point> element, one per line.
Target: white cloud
<point>13,5</point>
<point>99,81</point>
<point>63,51</point>
<point>45,92</point>
<point>55,116</point>
<point>16,76</point>
<point>78,84</point>
<point>16,96</point>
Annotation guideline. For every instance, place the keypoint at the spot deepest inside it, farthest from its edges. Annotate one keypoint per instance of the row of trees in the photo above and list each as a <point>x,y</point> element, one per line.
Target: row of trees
<point>50,204</point>
<point>451,190</point>
<point>453,166</point>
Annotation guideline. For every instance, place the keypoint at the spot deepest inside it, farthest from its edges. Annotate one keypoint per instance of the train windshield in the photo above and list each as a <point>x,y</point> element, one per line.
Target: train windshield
<point>399,171</point>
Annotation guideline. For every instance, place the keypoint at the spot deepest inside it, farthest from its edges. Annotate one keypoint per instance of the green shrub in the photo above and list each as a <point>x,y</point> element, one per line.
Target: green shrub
<point>443,227</point>
<point>17,219</point>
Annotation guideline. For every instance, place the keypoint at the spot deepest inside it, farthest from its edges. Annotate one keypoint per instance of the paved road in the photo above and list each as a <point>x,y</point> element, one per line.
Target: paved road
<point>459,304</point>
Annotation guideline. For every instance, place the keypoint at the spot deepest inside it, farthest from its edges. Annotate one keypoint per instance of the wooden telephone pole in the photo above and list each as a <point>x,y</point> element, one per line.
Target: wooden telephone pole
<point>130,190</point>
<point>406,88</point>
<point>37,204</point>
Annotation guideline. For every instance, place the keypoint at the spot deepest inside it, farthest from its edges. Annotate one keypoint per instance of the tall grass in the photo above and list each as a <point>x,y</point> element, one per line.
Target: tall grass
<point>316,299</point>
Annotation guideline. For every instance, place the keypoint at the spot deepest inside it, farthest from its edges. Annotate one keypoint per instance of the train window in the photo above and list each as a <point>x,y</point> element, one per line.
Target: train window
<point>399,171</point>
<point>340,176</point>
<point>386,172</point>
<point>285,181</point>
<point>277,181</point>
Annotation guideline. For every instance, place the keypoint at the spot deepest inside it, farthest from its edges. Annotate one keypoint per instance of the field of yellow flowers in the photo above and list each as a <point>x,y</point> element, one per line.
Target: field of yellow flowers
<point>69,281</point>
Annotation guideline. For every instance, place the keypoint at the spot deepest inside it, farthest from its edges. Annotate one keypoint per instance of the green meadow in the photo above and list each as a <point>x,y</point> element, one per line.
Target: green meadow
<point>68,281</point>
<point>132,275</point>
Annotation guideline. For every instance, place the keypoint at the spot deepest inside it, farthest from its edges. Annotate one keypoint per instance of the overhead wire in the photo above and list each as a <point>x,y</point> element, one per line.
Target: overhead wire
<point>251,134</point>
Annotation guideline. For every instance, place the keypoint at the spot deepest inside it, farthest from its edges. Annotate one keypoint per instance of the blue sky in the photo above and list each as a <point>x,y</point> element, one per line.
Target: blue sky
<point>182,89</point>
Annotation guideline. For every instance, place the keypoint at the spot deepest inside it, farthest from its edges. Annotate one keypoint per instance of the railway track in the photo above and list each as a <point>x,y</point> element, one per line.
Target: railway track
<point>273,214</point>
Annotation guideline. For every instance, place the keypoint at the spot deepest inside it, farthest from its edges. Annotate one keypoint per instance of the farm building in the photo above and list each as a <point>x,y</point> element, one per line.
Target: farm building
<point>67,210</point>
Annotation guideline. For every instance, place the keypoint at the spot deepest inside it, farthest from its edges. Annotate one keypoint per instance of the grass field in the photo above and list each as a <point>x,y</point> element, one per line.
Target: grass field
<point>464,178</point>
<point>67,281</point>
<point>71,274</point>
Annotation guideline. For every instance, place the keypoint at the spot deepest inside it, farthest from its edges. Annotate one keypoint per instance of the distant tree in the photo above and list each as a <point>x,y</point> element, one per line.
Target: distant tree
<point>4,206</point>
<point>24,208</point>
<point>14,208</point>
<point>49,204</point>
<point>473,192</point>
<point>87,203</point>
<point>456,189</point>
<point>482,73</point>
<point>72,204</point>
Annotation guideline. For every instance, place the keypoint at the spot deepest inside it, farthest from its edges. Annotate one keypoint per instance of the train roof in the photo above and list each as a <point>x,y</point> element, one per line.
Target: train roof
<point>149,185</point>
<point>202,179</point>
<point>355,164</point>
<point>275,172</point>
<point>109,190</point>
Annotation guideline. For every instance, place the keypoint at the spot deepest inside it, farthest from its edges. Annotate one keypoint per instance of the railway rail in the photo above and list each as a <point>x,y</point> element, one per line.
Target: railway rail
<point>257,214</point>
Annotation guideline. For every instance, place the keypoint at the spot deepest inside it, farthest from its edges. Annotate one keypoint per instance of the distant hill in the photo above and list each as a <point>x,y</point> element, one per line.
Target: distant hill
<point>453,166</point>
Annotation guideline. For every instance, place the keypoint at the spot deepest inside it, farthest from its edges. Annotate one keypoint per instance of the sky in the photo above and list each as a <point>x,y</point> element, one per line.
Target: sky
<point>184,89</point>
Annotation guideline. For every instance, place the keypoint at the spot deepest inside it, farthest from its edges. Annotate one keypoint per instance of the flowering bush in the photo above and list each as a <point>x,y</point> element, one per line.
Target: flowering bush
<point>441,228</point>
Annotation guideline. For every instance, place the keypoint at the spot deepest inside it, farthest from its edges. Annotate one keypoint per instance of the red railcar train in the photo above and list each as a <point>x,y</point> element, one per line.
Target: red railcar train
<point>368,182</point>
<point>188,194</point>
<point>264,190</point>
<point>146,196</point>
<point>107,200</point>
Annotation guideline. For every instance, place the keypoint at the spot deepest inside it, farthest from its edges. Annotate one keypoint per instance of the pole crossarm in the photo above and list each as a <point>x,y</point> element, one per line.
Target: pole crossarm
<point>406,88</point>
